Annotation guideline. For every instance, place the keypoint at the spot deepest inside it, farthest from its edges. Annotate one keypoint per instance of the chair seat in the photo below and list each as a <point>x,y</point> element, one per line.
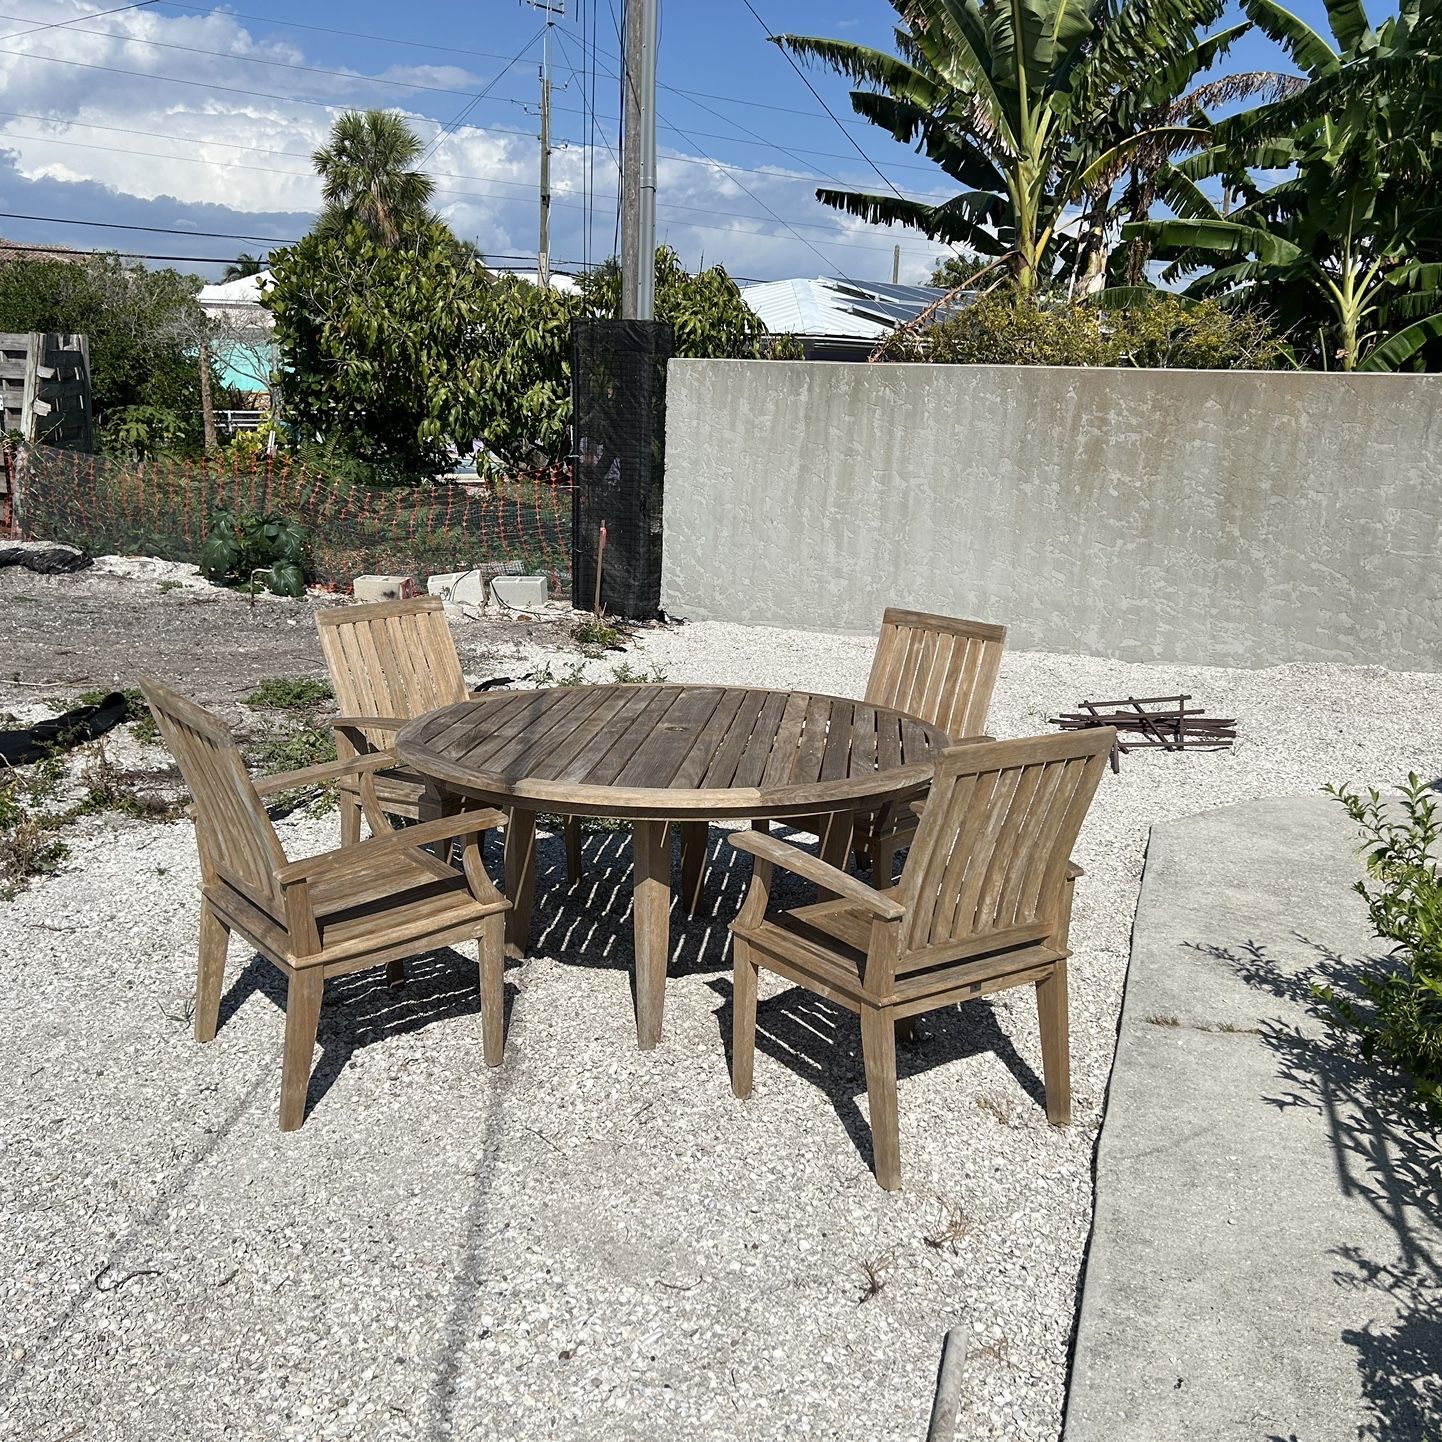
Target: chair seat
<point>827,943</point>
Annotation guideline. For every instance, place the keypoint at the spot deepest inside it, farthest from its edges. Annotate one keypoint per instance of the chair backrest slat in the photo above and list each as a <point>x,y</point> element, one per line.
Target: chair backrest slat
<point>999,824</point>
<point>233,832</point>
<point>938,668</point>
<point>394,658</point>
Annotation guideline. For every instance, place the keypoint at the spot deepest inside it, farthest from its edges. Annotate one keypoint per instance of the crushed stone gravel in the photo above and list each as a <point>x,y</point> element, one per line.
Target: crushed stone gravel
<point>590,1242</point>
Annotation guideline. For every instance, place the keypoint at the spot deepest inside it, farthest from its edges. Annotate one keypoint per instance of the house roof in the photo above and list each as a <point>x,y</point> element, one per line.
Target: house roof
<point>835,306</point>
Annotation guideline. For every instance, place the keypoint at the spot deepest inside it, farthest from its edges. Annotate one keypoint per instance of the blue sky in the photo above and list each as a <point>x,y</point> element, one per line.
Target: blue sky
<point>198,118</point>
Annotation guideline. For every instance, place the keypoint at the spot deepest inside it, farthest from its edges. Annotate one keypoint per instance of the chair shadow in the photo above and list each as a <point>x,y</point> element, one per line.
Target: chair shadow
<point>820,1042</point>
<point>361,1008</point>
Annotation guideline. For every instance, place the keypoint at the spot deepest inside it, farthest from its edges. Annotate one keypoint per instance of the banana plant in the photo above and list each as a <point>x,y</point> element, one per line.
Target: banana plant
<point>1343,248</point>
<point>1031,106</point>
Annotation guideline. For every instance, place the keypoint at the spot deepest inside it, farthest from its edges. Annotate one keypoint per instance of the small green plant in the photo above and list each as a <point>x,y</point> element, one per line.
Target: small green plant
<point>593,631</point>
<point>27,846</point>
<point>627,675</point>
<point>1403,891</point>
<point>166,587</point>
<point>245,547</point>
<point>290,693</point>
<point>573,674</point>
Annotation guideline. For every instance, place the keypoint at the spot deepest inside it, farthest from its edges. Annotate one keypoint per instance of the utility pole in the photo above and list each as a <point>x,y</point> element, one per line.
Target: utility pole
<point>896,266</point>
<point>543,246</point>
<point>638,162</point>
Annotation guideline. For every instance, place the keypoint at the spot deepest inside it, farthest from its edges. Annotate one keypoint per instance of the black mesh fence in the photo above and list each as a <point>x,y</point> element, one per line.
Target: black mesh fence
<point>618,389</point>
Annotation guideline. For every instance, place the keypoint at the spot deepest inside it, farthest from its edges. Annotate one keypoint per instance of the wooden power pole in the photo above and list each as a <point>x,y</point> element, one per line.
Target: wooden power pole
<point>638,162</point>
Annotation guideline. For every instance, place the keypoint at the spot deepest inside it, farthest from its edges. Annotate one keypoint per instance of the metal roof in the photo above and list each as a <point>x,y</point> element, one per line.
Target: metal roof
<point>837,306</point>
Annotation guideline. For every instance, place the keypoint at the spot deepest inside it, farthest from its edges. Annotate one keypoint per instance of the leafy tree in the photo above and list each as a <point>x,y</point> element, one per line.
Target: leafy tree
<point>378,339</point>
<point>1031,108</point>
<point>710,318</point>
<point>367,175</point>
<point>1346,248</point>
<point>244,265</point>
<point>144,329</point>
<point>956,272</point>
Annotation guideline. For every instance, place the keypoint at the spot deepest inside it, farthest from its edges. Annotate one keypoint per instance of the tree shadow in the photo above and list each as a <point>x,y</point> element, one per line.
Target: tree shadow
<point>1385,1158</point>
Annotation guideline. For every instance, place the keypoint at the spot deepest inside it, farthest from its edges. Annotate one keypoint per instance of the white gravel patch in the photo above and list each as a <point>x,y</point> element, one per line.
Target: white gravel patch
<point>592,1242</point>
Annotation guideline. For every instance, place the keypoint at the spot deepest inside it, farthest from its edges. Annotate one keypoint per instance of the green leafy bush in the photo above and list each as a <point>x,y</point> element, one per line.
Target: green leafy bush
<point>1005,328</point>
<point>247,545</point>
<point>1403,1026</point>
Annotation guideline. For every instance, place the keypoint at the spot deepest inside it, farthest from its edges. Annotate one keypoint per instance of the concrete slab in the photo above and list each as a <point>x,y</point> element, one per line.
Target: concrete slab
<point>1266,1254</point>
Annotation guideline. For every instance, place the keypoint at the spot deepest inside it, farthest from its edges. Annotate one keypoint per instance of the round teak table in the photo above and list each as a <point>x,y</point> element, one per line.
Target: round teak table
<point>663,754</point>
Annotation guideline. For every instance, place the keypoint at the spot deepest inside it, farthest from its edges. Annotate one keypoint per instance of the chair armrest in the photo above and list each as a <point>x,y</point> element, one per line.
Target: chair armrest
<point>330,771</point>
<point>369,723</point>
<point>444,828</point>
<point>1073,871</point>
<point>804,864</point>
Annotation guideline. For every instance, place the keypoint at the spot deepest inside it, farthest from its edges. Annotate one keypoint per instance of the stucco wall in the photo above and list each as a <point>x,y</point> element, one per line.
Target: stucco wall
<point>1234,518</point>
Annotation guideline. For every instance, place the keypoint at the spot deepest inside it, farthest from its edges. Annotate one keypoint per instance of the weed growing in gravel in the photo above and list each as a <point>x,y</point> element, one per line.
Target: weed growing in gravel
<point>873,1274</point>
<point>1163,1021</point>
<point>290,693</point>
<point>626,675</point>
<point>595,632</point>
<point>954,1228</point>
<point>573,674</point>
<point>280,748</point>
<point>1003,1111</point>
<point>109,788</point>
<point>165,587</point>
<point>27,846</point>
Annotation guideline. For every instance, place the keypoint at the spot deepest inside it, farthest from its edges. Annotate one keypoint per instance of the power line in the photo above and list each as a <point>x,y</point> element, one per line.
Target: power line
<point>151,229</point>
<point>806,80</point>
<point>476,99</point>
<point>65,24</point>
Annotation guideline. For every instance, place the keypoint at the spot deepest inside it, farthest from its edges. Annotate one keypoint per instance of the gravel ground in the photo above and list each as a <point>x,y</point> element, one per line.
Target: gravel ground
<point>591,1242</point>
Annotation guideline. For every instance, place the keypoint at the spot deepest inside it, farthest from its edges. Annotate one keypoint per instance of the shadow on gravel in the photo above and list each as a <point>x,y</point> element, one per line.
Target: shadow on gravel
<point>1386,1159</point>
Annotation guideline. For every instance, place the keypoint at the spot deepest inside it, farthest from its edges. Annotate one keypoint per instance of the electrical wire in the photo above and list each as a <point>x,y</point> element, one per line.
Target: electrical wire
<point>66,24</point>
<point>476,99</point>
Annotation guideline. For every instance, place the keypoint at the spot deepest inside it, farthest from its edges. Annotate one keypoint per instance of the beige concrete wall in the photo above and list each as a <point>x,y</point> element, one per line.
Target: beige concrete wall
<point>1211,517</point>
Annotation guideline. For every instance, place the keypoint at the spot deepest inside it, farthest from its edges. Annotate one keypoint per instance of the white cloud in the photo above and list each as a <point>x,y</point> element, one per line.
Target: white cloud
<point>97,114</point>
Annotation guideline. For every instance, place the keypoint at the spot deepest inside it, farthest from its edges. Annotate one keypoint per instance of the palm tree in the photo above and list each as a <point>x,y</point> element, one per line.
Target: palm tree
<point>367,175</point>
<point>1031,105</point>
<point>245,264</point>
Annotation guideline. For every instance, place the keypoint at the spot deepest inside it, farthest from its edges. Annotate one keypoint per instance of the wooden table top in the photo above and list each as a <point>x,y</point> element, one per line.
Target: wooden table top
<point>673,751</point>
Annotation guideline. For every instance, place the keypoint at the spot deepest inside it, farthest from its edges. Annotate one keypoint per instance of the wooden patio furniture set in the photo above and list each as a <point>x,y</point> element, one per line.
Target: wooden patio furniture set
<point>982,902</point>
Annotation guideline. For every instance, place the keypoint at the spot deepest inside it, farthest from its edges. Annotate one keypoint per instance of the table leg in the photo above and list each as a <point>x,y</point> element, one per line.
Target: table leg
<point>652,906</point>
<point>520,871</point>
<point>836,827</point>
<point>695,835</point>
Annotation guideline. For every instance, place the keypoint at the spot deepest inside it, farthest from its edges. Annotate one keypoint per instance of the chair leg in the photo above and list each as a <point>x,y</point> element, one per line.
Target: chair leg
<point>743,1020</point>
<point>210,972</point>
<point>695,836</point>
<point>1051,1011</point>
<point>878,1050</point>
<point>396,972</point>
<point>492,947</point>
<point>302,1017</point>
<point>350,820</point>
<point>573,849</point>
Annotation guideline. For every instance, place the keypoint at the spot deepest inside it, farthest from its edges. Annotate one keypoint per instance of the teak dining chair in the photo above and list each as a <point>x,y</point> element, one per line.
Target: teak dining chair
<point>984,903</point>
<point>373,903</point>
<point>938,668</point>
<point>390,662</point>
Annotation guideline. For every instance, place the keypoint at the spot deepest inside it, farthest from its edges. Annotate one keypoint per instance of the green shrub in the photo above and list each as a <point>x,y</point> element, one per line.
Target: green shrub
<point>1403,1026</point>
<point>1162,331</point>
<point>248,546</point>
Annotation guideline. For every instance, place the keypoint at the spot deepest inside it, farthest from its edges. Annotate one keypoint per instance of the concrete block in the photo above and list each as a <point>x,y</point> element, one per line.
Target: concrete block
<point>384,588</point>
<point>523,593</point>
<point>462,588</point>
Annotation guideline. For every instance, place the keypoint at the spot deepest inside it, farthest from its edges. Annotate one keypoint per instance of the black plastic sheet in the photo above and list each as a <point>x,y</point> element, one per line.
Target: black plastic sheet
<point>618,391</point>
